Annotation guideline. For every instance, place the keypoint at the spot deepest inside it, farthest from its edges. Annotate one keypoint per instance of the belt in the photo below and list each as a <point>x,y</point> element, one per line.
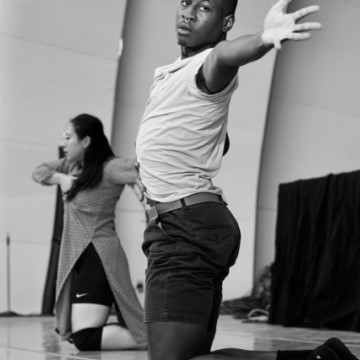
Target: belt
<point>158,208</point>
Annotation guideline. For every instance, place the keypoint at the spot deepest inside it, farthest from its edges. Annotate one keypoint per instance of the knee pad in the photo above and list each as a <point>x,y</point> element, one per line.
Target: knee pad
<point>88,339</point>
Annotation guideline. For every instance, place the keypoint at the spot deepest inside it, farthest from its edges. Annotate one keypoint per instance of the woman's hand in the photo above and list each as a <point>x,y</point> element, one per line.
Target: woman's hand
<point>64,181</point>
<point>137,186</point>
<point>139,189</point>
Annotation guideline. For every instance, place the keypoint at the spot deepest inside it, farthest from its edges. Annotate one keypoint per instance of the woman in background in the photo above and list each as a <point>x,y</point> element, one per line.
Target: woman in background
<point>93,272</point>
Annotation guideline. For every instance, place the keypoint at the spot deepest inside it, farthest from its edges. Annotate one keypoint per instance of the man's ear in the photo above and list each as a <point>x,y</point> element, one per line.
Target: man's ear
<point>228,22</point>
<point>86,141</point>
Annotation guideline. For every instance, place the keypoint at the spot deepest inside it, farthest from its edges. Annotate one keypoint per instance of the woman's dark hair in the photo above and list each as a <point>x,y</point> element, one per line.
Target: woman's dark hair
<point>95,155</point>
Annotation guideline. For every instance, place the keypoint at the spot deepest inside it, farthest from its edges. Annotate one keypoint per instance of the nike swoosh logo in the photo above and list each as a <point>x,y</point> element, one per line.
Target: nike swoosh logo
<point>80,295</point>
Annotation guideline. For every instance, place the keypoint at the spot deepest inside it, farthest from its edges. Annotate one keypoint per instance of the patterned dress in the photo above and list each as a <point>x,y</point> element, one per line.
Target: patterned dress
<point>89,218</point>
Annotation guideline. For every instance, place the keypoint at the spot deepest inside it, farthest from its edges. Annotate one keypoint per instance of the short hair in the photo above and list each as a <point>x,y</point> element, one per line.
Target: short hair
<point>230,6</point>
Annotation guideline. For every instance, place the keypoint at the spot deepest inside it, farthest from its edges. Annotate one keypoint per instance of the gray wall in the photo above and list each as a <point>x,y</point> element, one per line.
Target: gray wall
<point>313,124</point>
<point>57,59</point>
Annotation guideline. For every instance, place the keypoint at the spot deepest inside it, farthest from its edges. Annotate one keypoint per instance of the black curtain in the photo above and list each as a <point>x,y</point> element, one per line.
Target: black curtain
<point>316,272</point>
<point>48,301</point>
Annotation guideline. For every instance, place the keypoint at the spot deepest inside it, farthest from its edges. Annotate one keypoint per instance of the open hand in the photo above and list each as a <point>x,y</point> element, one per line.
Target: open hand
<point>279,25</point>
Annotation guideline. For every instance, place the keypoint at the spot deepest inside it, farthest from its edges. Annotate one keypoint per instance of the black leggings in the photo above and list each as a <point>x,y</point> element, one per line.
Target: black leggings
<point>90,284</point>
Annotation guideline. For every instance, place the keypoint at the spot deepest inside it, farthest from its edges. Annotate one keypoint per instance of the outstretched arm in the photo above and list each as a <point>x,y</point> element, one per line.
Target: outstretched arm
<point>224,61</point>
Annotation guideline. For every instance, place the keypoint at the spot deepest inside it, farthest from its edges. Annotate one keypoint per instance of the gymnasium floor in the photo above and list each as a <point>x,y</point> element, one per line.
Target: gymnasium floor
<point>33,338</point>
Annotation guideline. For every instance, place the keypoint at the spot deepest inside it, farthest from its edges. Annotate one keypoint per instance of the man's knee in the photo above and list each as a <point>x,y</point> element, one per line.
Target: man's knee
<point>175,341</point>
<point>88,339</point>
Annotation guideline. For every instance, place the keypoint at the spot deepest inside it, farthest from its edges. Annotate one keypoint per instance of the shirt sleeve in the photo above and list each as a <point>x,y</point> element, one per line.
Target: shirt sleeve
<point>122,171</point>
<point>44,171</point>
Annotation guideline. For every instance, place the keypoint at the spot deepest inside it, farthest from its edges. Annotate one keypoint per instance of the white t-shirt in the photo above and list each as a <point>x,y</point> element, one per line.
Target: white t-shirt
<point>182,132</point>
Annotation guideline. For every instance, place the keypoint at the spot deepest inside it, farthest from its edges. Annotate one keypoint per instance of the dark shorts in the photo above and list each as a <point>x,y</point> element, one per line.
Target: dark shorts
<point>189,252</point>
<point>90,284</point>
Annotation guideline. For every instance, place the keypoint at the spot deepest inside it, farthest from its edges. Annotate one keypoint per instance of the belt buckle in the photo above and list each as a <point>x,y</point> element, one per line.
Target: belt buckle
<point>151,214</point>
